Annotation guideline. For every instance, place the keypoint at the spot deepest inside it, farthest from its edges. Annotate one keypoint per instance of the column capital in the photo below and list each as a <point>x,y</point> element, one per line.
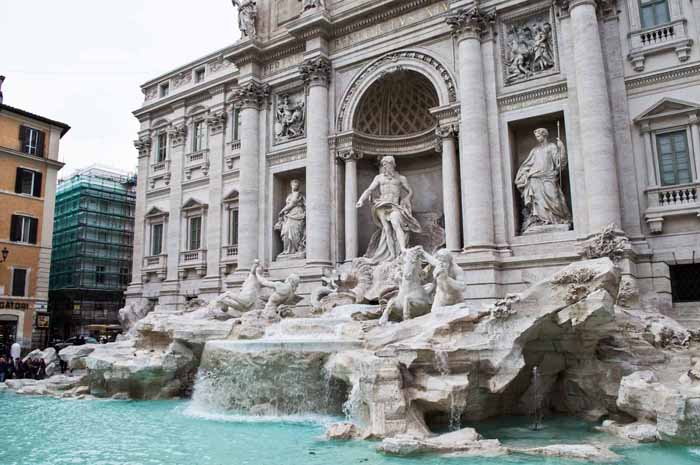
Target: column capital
<point>143,145</point>
<point>349,155</point>
<point>446,131</point>
<point>606,8</point>
<point>471,22</point>
<point>177,134</point>
<point>316,71</point>
<point>216,122</point>
<point>694,119</point>
<point>251,95</point>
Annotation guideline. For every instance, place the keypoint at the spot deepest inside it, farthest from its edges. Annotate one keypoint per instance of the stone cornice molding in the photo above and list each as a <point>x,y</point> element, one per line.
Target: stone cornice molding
<point>662,77</point>
<point>471,22</point>
<point>311,24</point>
<point>251,95</point>
<point>248,51</point>
<point>316,71</point>
<point>362,18</point>
<point>606,8</point>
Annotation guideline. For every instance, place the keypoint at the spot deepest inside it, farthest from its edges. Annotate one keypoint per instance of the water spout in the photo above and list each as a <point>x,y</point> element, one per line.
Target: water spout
<point>536,408</point>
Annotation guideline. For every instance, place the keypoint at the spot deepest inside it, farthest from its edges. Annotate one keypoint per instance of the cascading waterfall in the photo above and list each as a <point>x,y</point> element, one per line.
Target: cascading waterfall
<point>536,408</point>
<point>457,404</point>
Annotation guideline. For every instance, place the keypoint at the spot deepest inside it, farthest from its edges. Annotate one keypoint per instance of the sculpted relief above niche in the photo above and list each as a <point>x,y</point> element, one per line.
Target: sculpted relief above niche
<point>290,116</point>
<point>528,45</point>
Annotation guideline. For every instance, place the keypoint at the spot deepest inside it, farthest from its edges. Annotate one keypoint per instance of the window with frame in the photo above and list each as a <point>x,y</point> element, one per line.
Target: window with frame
<point>24,229</point>
<point>162,147</point>
<point>31,141</point>
<point>654,12</point>
<point>195,233</point>
<point>99,274</point>
<point>236,119</point>
<point>674,158</point>
<point>124,276</point>
<point>198,136</point>
<point>19,282</point>
<point>199,75</point>
<point>28,182</point>
<point>164,89</point>
<point>233,226</point>
<point>157,239</point>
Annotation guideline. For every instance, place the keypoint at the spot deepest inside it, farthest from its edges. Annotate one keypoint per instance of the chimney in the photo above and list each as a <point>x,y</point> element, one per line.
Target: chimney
<point>2,79</point>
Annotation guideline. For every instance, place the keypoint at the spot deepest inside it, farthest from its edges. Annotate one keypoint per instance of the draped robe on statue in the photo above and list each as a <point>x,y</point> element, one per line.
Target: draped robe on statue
<point>538,181</point>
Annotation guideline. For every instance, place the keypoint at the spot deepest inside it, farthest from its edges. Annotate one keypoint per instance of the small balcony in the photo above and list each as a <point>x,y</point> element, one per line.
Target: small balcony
<point>160,172</point>
<point>155,264</point>
<point>659,39</point>
<point>197,160</point>
<point>193,260</point>
<point>683,199</point>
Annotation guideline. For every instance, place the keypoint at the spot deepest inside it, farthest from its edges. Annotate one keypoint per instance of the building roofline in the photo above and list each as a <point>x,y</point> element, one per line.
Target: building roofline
<point>64,127</point>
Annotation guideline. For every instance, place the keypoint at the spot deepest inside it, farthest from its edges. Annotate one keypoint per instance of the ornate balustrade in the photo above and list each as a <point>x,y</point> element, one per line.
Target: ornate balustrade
<point>671,36</point>
<point>667,201</point>
<point>193,260</point>
<point>155,264</point>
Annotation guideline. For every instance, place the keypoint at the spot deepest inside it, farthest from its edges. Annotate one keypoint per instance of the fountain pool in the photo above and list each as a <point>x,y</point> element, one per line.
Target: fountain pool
<point>40,431</point>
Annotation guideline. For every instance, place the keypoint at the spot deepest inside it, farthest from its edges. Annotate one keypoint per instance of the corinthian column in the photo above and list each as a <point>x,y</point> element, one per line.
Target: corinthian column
<point>316,73</point>
<point>249,98</point>
<point>350,158</point>
<point>595,121</point>
<point>450,186</point>
<point>475,154</point>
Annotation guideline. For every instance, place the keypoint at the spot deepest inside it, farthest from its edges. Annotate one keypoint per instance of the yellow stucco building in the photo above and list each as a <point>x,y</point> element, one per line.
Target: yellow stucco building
<point>29,165</point>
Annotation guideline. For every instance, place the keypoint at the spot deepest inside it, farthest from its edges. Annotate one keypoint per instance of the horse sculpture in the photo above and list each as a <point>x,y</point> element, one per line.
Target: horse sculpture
<point>413,300</point>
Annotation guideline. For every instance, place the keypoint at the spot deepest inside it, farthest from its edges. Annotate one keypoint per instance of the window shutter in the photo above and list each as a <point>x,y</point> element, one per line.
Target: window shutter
<point>18,181</point>
<point>23,135</point>
<point>37,184</point>
<point>16,228</point>
<point>40,144</point>
<point>33,227</point>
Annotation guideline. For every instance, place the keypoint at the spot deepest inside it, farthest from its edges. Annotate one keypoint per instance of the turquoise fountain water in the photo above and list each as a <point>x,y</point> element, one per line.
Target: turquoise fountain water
<point>43,431</point>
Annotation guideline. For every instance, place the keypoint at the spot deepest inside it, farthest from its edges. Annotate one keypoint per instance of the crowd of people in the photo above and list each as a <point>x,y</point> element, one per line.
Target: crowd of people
<point>17,369</point>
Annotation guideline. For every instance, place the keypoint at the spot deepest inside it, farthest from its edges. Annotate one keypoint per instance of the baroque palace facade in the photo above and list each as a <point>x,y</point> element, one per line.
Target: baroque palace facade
<point>519,129</point>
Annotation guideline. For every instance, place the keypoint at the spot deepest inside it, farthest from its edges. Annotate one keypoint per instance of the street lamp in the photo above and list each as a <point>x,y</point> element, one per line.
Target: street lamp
<point>5,253</point>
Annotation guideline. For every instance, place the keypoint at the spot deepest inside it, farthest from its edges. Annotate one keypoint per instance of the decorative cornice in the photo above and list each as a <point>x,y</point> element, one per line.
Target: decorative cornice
<point>251,95</point>
<point>316,71</point>
<point>554,92</point>
<point>294,154</point>
<point>404,7</point>
<point>665,76</point>
<point>471,22</point>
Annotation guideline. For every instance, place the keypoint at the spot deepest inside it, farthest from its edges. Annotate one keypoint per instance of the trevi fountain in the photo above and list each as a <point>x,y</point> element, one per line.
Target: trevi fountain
<point>469,277</point>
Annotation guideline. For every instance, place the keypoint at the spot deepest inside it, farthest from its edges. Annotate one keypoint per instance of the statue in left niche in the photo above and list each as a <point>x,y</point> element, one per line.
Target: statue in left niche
<point>292,223</point>
<point>247,14</point>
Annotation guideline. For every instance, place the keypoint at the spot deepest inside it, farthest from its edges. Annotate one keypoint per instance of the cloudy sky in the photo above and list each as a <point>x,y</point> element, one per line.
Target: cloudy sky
<point>82,62</point>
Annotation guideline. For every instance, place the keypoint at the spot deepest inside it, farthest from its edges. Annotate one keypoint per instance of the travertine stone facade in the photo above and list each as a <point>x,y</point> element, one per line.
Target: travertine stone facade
<point>453,91</point>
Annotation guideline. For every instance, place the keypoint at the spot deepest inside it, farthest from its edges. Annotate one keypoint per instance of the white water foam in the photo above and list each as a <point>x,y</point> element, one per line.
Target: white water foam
<point>196,411</point>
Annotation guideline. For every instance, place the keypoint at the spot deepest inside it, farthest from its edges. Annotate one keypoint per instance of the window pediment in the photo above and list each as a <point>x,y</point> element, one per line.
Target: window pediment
<point>193,206</point>
<point>665,108</point>
<point>155,213</point>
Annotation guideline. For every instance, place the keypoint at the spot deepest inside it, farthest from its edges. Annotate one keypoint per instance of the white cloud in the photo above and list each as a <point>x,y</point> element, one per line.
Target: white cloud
<point>82,62</point>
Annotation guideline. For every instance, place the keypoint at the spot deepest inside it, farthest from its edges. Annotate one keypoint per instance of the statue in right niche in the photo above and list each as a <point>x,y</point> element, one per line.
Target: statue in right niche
<point>539,182</point>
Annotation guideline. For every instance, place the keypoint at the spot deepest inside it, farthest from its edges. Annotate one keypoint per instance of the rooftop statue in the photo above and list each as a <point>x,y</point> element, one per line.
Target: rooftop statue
<point>539,182</point>
<point>391,212</point>
<point>247,14</point>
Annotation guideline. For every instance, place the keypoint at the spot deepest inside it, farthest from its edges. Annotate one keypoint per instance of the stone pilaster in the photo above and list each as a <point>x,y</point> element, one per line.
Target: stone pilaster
<point>216,123</point>
<point>350,158</point>
<point>450,185</point>
<point>178,138</point>
<point>316,73</point>
<point>469,25</point>
<point>595,121</point>
<point>250,97</point>
<point>695,135</point>
<point>144,148</point>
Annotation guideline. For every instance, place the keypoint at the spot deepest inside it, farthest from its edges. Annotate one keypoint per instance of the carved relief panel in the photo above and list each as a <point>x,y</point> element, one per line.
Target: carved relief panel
<point>529,45</point>
<point>290,116</point>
